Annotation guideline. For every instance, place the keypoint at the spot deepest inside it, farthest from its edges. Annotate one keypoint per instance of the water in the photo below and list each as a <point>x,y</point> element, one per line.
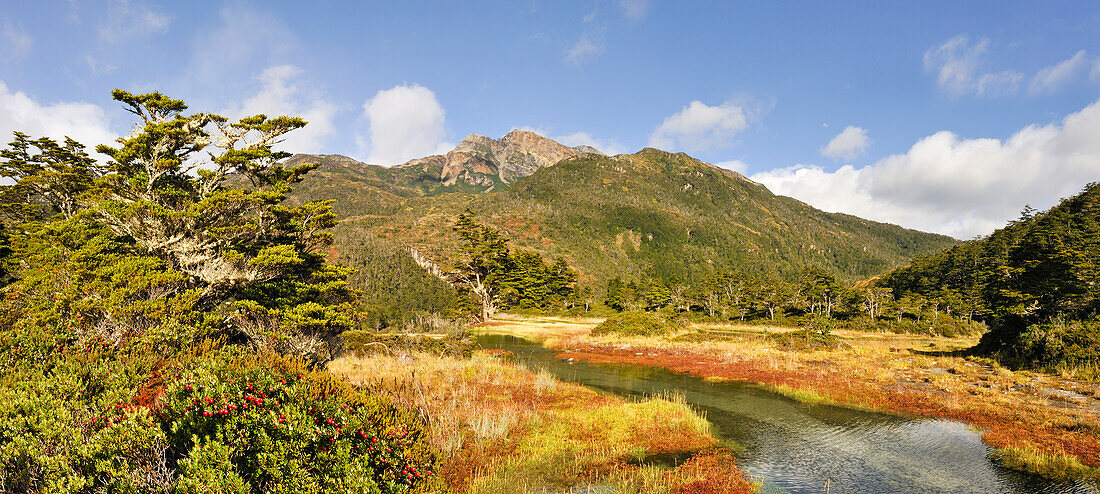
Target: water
<point>795,447</point>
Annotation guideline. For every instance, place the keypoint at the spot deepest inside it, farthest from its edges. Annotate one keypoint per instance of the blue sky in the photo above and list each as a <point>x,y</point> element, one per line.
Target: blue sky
<point>943,116</point>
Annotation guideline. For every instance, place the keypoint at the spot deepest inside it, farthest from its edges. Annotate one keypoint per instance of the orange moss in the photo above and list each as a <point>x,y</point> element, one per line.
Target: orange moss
<point>710,472</point>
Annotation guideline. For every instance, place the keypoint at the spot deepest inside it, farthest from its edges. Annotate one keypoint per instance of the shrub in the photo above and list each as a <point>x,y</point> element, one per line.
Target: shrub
<point>817,333</point>
<point>367,342</point>
<point>274,425</point>
<point>1062,346</point>
<point>636,324</point>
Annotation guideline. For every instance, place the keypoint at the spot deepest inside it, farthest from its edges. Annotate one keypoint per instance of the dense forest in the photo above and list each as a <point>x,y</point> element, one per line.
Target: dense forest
<point>164,331</point>
<point>1035,282</point>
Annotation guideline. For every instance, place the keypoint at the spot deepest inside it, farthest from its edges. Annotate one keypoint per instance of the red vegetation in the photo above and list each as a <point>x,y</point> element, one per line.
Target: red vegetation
<point>1001,427</point>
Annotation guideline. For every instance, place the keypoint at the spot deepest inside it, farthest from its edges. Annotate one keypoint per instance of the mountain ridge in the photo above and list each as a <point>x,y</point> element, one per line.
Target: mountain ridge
<point>650,213</point>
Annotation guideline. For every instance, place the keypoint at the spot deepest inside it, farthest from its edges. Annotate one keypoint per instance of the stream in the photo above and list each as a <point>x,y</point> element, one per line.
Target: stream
<point>793,447</point>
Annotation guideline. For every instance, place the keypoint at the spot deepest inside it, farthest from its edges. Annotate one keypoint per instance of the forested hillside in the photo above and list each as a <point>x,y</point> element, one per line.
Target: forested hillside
<point>1035,281</point>
<point>649,214</point>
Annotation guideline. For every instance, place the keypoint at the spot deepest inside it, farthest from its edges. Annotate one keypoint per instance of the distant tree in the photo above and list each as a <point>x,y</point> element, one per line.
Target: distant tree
<point>616,294</point>
<point>775,295</point>
<point>483,258</point>
<point>820,290</point>
<point>874,300</point>
<point>657,295</point>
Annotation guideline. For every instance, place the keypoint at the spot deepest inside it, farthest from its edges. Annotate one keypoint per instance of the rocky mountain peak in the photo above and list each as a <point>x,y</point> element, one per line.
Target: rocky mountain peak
<point>483,162</point>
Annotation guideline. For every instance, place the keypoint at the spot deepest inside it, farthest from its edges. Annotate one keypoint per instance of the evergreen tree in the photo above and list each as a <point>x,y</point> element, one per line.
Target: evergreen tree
<point>163,199</point>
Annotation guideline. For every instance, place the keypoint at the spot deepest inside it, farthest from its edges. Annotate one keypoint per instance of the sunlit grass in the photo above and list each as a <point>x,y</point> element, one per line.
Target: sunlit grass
<point>910,375</point>
<point>508,429</point>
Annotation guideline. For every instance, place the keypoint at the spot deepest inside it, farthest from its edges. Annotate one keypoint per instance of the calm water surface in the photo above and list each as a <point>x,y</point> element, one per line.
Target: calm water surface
<point>795,447</point>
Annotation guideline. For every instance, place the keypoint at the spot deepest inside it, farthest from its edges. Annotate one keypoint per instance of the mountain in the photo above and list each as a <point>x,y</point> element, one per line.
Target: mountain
<point>477,164</point>
<point>650,213</point>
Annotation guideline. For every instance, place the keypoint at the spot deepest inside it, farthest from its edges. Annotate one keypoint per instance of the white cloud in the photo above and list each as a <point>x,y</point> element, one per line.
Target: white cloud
<point>586,48</point>
<point>960,187</point>
<point>126,19</point>
<point>1054,77</point>
<point>15,43</point>
<point>87,123</point>
<point>699,126</point>
<point>959,69</point>
<point>243,41</point>
<point>607,146</point>
<point>735,165</point>
<point>848,144</point>
<point>406,122</point>
<point>282,92</point>
<point>634,9</point>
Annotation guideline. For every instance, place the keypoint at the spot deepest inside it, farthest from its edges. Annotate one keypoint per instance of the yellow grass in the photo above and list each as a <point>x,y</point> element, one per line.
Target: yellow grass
<point>875,371</point>
<point>507,429</point>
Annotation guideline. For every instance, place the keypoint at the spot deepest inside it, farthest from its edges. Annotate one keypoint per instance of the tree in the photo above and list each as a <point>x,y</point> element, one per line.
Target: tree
<point>821,290</point>
<point>657,295</point>
<point>164,197</point>
<point>483,257</point>
<point>873,300</point>
<point>615,294</point>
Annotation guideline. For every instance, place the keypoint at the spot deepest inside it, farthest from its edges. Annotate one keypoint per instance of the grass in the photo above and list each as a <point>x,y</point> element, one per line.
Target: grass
<point>508,429</point>
<point>1055,466</point>
<point>804,395</point>
<point>912,375</point>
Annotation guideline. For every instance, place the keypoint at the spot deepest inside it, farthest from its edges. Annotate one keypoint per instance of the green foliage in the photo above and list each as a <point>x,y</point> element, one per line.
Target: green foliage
<point>1060,346</point>
<point>499,276</point>
<point>636,324</point>
<point>144,283</point>
<point>1025,278</point>
<point>291,430</point>
<point>394,291</point>
<point>160,224</point>
<point>368,342</point>
<point>817,333</point>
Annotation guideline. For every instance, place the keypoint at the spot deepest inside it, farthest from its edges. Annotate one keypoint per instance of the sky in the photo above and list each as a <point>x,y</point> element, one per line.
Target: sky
<point>947,117</point>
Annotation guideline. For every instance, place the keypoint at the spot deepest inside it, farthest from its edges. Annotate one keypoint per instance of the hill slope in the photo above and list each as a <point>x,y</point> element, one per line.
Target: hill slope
<point>651,213</point>
<point>1032,280</point>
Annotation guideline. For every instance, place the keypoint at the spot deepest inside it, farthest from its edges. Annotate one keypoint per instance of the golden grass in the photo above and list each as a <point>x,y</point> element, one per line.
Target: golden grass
<point>507,429</point>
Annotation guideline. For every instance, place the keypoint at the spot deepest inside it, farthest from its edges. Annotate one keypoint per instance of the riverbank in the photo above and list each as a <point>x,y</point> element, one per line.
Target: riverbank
<point>503,428</point>
<point>1038,423</point>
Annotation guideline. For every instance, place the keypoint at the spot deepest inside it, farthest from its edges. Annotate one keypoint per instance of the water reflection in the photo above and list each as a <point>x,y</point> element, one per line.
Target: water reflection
<point>794,447</point>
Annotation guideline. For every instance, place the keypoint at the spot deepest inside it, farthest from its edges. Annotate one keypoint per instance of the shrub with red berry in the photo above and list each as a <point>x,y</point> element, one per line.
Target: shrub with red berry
<point>288,429</point>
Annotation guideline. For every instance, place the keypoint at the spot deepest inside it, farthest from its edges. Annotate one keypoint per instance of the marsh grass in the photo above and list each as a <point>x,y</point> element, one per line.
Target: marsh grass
<point>909,375</point>
<point>1055,466</point>
<point>510,429</point>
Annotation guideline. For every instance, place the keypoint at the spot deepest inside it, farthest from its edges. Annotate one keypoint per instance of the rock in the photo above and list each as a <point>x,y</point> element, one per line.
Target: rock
<point>483,161</point>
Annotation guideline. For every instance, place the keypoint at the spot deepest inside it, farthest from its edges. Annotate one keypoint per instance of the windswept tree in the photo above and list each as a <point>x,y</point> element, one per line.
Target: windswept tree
<point>483,258</point>
<point>163,203</point>
<point>161,303</point>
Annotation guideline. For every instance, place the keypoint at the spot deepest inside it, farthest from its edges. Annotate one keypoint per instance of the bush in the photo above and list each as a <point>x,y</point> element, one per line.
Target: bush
<point>274,425</point>
<point>817,333</point>
<point>457,344</point>
<point>1062,346</point>
<point>636,324</point>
